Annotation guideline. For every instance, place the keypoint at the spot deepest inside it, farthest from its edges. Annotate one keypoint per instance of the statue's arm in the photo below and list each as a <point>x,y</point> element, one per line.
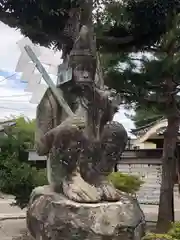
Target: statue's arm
<point>47,117</point>
<point>44,144</point>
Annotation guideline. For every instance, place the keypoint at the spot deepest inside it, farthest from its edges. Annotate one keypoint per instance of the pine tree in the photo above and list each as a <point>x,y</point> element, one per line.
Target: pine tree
<point>120,26</point>
<point>155,84</point>
<point>145,116</point>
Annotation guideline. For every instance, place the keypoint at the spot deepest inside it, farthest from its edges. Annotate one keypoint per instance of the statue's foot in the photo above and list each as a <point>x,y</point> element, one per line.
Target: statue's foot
<point>109,192</point>
<point>78,190</point>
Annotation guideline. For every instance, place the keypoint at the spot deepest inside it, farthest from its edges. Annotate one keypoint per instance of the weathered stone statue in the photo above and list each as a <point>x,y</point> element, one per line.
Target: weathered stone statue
<point>84,148</point>
<point>80,203</point>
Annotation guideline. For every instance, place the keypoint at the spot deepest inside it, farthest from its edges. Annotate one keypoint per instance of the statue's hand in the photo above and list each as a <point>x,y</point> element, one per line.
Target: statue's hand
<point>75,121</point>
<point>70,123</point>
<point>109,192</point>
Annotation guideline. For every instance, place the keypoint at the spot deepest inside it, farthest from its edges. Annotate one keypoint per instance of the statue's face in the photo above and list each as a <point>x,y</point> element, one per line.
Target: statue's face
<point>82,76</point>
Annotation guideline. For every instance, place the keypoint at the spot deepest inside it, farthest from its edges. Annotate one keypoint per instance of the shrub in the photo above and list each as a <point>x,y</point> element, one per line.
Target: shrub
<point>175,230</point>
<point>173,234</point>
<point>19,179</point>
<point>126,183</point>
<point>153,236</point>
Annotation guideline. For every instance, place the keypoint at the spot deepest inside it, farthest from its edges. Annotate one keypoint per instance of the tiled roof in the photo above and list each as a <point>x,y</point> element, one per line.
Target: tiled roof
<point>7,123</point>
<point>142,130</point>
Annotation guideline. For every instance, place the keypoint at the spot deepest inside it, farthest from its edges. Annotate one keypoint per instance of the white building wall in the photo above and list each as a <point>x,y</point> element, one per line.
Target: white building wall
<point>151,175</point>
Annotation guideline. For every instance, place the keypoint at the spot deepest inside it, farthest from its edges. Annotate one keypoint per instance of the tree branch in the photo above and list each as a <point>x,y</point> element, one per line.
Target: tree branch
<point>139,59</point>
<point>153,49</point>
<point>8,19</point>
<point>155,87</point>
<point>176,91</point>
<point>117,41</point>
<point>144,99</point>
<point>175,82</point>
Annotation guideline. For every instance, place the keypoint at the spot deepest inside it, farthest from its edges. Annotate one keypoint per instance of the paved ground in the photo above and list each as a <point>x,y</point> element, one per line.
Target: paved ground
<point>151,211</point>
<point>12,219</point>
<point>6,210</point>
<point>10,229</point>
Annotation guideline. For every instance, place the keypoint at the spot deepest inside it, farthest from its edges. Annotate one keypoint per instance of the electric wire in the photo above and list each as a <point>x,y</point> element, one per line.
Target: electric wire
<point>5,78</point>
<point>18,95</point>
<point>13,101</point>
<point>15,109</point>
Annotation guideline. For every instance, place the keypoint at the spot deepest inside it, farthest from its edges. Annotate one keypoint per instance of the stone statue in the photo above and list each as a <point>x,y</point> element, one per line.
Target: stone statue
<point>83,149</point>
<point>80,202</point>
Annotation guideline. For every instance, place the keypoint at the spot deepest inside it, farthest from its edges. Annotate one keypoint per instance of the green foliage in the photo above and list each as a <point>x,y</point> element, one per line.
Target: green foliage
<point>172,234</point>
<point>134,23</point>
<point>24,131</point>
<point>175,231</point>
<point>36,18</point>
<point>144,21</point>
<point>17,177</point>
<point>142,78</point>
<point>154,83</point>
<point>125,183</point>
<point>145,116</point>
<point>153,236</point>
<point>19,138</point>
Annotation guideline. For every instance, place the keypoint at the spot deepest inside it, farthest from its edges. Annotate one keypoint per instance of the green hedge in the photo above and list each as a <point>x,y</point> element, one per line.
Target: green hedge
<point>19,179</point>
<point>175,230</point>
<point>173,234</point>
<point>126,183</point>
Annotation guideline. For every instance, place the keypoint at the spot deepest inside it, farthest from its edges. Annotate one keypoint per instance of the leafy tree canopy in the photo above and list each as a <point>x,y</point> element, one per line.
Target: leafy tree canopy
<point>21,136</point>
<point>17,177</point>
<point>120,24</point>
<point>149,79</point>
<point>145,116</point>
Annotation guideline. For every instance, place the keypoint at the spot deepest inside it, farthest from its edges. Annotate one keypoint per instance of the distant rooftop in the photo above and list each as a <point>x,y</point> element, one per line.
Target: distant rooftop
<point>156,128</point>
<point>6,123</point>
<point>138,132</point>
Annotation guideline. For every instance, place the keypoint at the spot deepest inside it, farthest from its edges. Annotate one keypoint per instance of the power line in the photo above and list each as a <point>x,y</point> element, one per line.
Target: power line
<point>7,77</point>
<point>20,95</point>
<point>15,101</point>
<point>15,109</point>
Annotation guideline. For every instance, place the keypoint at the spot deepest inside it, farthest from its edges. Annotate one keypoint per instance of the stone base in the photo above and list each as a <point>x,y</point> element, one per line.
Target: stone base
<point>52,216</point>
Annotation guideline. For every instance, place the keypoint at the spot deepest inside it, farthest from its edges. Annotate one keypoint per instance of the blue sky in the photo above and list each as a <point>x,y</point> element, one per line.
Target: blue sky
<point>13,99</point>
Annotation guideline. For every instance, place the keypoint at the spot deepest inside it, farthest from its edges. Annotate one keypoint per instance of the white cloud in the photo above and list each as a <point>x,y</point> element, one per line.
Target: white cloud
<point>127,123</point>
<point>10,101</point>
<point>16,102</point>
<point>9,51</point>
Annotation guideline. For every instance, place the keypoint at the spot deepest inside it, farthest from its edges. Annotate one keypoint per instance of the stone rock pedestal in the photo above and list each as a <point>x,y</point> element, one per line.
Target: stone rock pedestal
<point>52,216</point>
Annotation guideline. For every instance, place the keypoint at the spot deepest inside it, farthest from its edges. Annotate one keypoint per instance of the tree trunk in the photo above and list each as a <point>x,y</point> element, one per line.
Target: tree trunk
<point>166,204</point>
